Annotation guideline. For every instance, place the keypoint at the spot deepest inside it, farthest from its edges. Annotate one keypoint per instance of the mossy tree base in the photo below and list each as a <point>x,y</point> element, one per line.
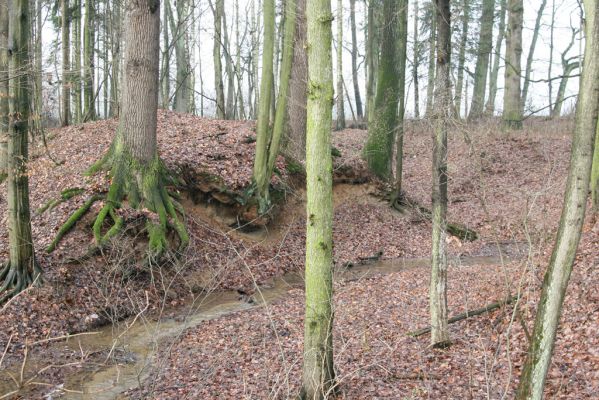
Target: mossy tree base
<point>143,186</point>
<point>16,278</point>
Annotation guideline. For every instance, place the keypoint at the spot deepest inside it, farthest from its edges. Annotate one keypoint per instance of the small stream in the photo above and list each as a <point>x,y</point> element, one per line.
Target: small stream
<point>131,346</point>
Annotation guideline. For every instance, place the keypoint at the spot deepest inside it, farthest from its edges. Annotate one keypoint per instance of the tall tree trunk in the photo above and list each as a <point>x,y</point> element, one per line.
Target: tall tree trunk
<point>179,29</point>
<point>294,142</point>
<point>218,67</point>
<point>569,64</point>
<point>416,63</point>
<point>551,50</point>
<point>438,285</point>
<point>402,48</point>
<point>354,59</point>
<point>430,87</point>
<point>340,124</point>
<point>512,110</point>
<point>76,58</point>
<point>490,107</point>
<point>462,56</point>
<point>372,53</point>
<point>318,372</point>
<point>485,45</point>
<point>165,75</point>
<point>557,276</point>
<point>22,269</point>
<point>200,71</point>
<point>382,126</point>
<point>38,64</point>
<point>65,18</point>
<point>136,171</point>
<point>4,79</point>
<point>595,176</point>
<point>89,109</point>
<point>230,104</point>
<point>531,52</point>
<point>115,43</point>
<point>238,69</point>
<point>263,133</point>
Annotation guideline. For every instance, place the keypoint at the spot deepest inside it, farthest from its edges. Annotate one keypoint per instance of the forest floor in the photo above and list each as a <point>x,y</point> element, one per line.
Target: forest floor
<point>507,187</point>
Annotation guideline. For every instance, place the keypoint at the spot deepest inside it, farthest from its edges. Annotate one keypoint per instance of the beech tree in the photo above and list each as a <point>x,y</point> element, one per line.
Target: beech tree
<point>65,16</point>
<point>89,108</point>
<point>340,122</point>
<point>490,107</point>
<point>485,45</point>
<point>378,150</point>
<point>557,276</point>
<point>531,52</point>
<point>21,270</point>
<point>438,285</point>
<point>136,170</point>
<point>354,59</point>
<point>512,110</point>
<point>462,56</point>
<point>318,371</point>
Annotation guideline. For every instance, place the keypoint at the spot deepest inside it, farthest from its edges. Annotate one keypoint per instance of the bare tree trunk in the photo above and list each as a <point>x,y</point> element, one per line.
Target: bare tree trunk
<point>490,107</point>
<point>569,64</point>
<point>66,60</point>
<point>438,285</point>
<point>431,65</point>
<point>402,48</point>
<point>512,109</point>
<point>372,53</point>
<point>218,68</point>
<point>182,81</point>
<point>318,371</point>
<point>531,52</point>
<point>230,104</point>
<point>485,45</point>
<point>165,75</point>
<point>557,276</point>
<point>22,269</point>
<point>115,51</point>
<point>4,78</point>
<point>416,63</point>
<point>551,49</point>
<point>340,123</point>
<point>354,59</point>
<point>462,56</point>
<point>89,111</point>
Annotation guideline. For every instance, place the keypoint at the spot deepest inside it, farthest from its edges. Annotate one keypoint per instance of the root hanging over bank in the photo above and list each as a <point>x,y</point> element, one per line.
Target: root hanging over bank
<point>138,185</point>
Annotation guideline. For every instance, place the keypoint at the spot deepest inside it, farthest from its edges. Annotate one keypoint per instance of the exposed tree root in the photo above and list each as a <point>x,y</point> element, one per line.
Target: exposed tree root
<point>464,233</point>
<point>16,279</point>
<point>65,195</point>
<point>468,314</point>
<point>77,215</point>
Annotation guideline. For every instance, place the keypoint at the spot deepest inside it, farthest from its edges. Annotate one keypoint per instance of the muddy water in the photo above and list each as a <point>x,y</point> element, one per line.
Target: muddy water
<point>131,346</point>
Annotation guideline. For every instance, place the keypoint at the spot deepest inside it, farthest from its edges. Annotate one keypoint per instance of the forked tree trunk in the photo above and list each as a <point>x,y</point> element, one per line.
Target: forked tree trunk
<point>318,372</point>
<point>263,133</point>
<point>382,125</point>
<point>22,269</point>
<point>557,276</point>
<point>512,110</point>
<point>438,286</point>
<point>485,45</point>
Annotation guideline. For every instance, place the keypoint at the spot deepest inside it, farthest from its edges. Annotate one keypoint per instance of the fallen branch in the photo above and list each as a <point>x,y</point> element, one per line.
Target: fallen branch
<point>468,314</point>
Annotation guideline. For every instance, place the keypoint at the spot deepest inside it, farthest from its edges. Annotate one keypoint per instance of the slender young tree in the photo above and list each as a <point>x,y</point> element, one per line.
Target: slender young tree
<point>318,371</point>
<point>485,45</point>
<point>65,16</point>
<point>354,59</point>
<point>531,52</point>
<point>22,269</point>
<point>76,59</point>
<point>382,128</point>
<point>218,68</point>
<point>372,52</point>
<point>438,285</point>
<point>430,87</point>
<point>512,110</point>
<point>490,107</point>
<point>557,276</point>
<point>462,56</point>
<point>340,123</point>
<point>229,69</point>
<point>183,74</point>
<point>89,109</point>
<point>263,133</point>
<point>569,65</point>
<point>402,48</point>
<point>416,62</point>
<point>3,90</point>
<point>165,72</point>
<point>136,170</point>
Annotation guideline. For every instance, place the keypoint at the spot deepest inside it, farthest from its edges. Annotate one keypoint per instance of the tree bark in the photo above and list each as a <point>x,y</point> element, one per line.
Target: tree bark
<point>416,63</point>
<point>340,123</point>
<point>430,87</point>
<point>65,17</point>
<point>218,68</point>
<point>531,52</point>
<point>318,372</point>
<point>438,285</point>
<point>4,107</point>
<point>402,48</point>
<point>165,74</point>
<point>490,107</point>
<point>557,276</point>
<point>462,56</point>
<point>382,126</point>
<point>354,59</point>
<point>512,109</point>
<point>485,45</point>
<point>263,133</point>
<point>22,269</point>
<point>182,77</point>
<point>89,109</point>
